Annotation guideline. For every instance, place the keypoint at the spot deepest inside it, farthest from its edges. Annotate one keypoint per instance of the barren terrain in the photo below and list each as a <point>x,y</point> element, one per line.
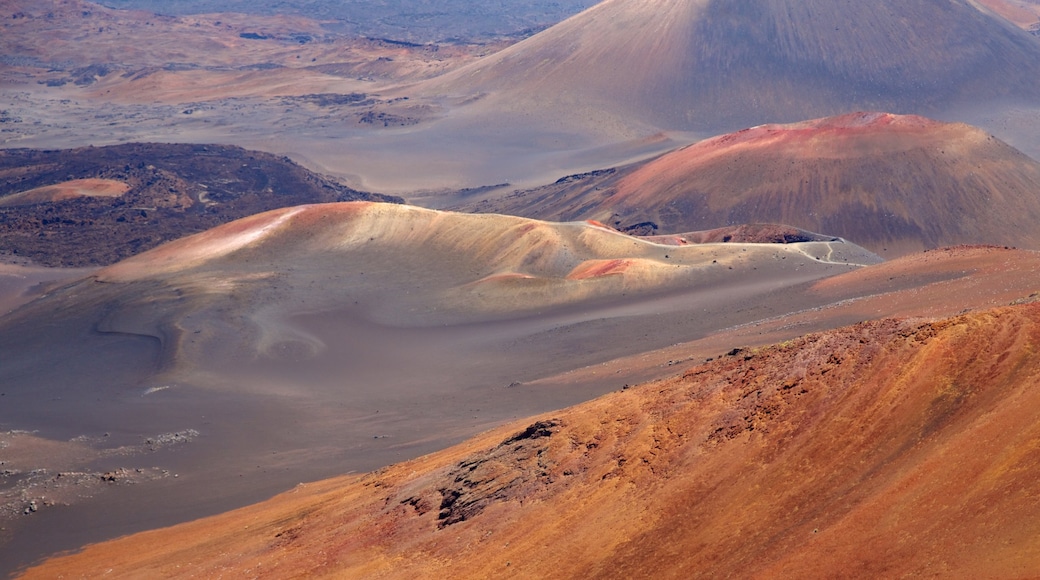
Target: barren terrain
<point>606,87</point>
<point>96,205</point>
<point>892,183</point>
<point>889,448</point>
<point>309,342</point>
<point>775,400</point>
<point>401,20</point>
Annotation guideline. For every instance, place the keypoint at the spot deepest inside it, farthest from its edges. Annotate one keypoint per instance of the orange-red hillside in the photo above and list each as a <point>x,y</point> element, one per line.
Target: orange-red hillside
<point>893,184</point>
<point>889,448</point>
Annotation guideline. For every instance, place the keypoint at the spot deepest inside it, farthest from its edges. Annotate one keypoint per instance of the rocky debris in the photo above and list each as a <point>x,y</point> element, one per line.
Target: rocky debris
<point>641,229</point>
<point>7,117</point>
<point>512,470</point>
<point>519,468</point>
<point>1034,297</point>
<point>745,234</point>
<point>387,119</point>
<point>82,76</point>
<point>584,176</point>
<point>175,190</point>
<point>334,99</point>
<point>403,23</point>
<point>168,439</point>
<point>25,493</point>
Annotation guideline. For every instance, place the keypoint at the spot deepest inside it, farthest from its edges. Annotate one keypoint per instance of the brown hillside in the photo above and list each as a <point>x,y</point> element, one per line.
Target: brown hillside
<point>893,184</point>
<point>889,448</point>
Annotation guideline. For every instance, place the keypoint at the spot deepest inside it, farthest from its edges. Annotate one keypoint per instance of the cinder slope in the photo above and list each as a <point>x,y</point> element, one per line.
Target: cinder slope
<point>711,65</point>
<point>889,448</point>
<point>893,184</point>
<point>312,341</point>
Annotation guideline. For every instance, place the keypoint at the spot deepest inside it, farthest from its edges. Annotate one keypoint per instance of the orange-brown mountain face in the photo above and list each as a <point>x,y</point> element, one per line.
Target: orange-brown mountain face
<point>893,184</point>
<point>717,65</point>
<point>889,448</point>
<point>312,341</point>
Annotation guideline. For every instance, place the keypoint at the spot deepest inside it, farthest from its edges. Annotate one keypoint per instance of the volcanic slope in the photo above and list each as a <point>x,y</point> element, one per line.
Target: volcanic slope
<point>718,65</point>
<point>98,205</point>
<point>311,341</point>
<point>893,184</point>
<point>889,448</point>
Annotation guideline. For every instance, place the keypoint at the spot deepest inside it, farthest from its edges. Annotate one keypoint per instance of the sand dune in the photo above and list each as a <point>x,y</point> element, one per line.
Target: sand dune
<point>892,183</point>
<point>893,447</point>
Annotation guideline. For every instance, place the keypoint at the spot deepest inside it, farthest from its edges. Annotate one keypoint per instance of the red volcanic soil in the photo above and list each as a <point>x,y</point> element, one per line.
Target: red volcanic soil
<point>888,448</point>
<point>893,184</point>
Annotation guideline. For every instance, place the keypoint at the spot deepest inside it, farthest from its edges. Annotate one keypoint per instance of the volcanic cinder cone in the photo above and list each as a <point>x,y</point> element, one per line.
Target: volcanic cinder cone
<point>893,184</point>
<point>710,65</point>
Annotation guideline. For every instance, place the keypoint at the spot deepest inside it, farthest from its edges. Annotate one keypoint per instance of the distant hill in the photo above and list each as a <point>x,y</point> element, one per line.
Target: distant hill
<point>407,20</point>
<point>720,65</point>
<point>893,184</point>
<point>98,205</point>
